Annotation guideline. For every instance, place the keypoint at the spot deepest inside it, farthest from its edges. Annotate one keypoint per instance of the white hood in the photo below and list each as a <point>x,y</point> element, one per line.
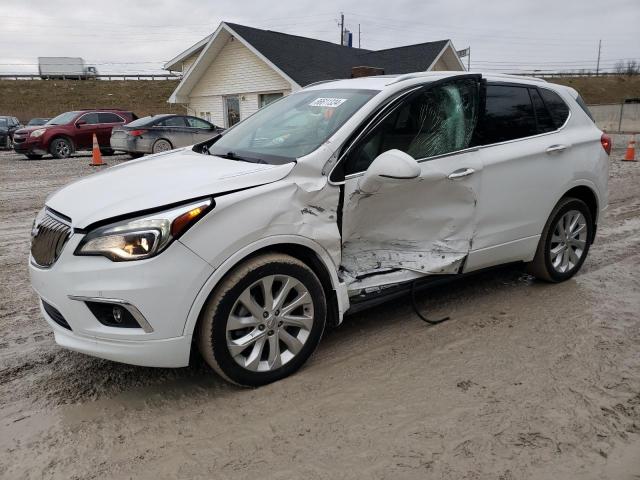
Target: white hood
<point>156,181</point>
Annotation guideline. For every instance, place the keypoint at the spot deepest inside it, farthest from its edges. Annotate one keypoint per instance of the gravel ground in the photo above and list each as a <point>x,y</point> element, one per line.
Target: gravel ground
<point>527,380</point>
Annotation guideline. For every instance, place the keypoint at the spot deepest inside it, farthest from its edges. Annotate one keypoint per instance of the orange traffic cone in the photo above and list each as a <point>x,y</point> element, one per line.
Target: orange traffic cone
<point>630,156</point>
<point>96,157</point>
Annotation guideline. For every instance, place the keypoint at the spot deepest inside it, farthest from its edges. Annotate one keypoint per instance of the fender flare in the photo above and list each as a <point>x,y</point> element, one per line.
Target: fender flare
<point>240,255</point>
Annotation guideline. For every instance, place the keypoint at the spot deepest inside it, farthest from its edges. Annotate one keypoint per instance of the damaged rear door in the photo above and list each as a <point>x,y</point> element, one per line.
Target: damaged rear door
<point>411,187</point>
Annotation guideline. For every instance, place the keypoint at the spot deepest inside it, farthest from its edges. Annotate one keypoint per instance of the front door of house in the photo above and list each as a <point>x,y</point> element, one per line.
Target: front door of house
<point>232,110</point>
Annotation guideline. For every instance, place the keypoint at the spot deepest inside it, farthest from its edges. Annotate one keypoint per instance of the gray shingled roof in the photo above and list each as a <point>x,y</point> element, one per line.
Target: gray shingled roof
<point>307,60</point>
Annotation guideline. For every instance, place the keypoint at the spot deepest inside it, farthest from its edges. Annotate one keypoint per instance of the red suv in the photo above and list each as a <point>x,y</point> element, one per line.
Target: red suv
<point>69,132</point>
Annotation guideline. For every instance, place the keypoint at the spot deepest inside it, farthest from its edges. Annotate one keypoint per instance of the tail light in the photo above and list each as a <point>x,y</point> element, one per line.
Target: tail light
<point>136,133</point>
<point>606,142</point>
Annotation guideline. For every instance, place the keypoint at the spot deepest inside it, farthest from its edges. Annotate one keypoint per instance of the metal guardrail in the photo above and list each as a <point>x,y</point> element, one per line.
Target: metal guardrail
<point>142,76</point>
<point>569,74</point>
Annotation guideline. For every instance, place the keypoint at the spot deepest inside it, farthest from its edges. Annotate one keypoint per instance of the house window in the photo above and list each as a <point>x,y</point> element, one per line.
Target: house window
<point>206,116</point>
<point>267,98</point>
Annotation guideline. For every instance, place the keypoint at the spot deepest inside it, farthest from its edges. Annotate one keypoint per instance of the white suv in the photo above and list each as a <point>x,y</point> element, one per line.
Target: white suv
<point>319,204</point>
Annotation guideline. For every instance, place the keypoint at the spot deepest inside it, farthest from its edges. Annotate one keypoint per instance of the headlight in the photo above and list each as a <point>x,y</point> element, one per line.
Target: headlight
<point>142,237</point>
<point>38,133</point>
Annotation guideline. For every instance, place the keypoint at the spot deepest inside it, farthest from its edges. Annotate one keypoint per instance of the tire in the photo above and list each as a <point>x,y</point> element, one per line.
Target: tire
<point>61,148</point>
<point>276,348</point>
<point>559,255</point>
<point>162,145</point>
<point>107,152</point>
<point>135,155</point>
<point>33,156</point>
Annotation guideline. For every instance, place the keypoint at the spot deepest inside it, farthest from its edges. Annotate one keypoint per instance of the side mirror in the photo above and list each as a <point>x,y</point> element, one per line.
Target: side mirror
<point>392,166</point>
<point>79,123</point>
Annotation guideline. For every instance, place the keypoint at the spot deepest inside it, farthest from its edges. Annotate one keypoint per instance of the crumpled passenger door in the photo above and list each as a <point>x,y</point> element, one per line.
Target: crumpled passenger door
<point>419,226</point>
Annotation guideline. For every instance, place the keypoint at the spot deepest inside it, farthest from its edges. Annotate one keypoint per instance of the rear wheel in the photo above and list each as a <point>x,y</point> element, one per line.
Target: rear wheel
<point>564,243</point>
<point>60,148</point>
<point>161,145</point>
<point>263,321</point>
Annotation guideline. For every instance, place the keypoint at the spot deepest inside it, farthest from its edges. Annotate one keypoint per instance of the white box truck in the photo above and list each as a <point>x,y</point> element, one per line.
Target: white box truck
<point>59,68</point>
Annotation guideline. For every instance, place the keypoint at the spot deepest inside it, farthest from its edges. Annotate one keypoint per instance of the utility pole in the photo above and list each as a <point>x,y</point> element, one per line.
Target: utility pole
<point>341,28</point>
<point>598,65</point>
<point>469,60</point>
<point>358,35</point>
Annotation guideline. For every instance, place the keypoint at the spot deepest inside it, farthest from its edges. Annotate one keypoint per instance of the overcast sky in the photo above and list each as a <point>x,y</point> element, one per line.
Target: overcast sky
<point>137,36</point>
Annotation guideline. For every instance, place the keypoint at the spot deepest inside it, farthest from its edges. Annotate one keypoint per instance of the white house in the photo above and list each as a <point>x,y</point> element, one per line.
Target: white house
<point>234,71</point>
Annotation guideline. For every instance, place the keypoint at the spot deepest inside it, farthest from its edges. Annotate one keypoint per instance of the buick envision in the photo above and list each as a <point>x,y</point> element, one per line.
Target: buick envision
<point>321,203</point>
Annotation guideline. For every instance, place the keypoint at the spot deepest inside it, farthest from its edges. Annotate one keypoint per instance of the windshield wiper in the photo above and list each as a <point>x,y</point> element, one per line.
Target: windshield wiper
<point>234,156</point>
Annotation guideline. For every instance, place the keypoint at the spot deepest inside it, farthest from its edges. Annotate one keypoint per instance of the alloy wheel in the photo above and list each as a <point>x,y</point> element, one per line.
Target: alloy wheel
<point>63,149</point>
<point>568,241</point>
<point>269,323</point>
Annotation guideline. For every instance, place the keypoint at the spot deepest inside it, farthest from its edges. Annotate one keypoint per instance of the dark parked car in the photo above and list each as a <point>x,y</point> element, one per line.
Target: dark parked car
<point>69,132</point>
<point>8,126</point>
<point>34,122</point>
<point>159,133</point>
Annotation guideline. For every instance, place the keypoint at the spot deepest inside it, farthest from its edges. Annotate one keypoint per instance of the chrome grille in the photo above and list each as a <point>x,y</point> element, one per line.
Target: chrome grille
<point>48,239</point>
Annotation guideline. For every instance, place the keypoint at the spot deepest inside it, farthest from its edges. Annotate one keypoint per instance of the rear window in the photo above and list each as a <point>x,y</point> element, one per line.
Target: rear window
<point>556,106</point>
<point>584,107</point>
<point>545,122</point>
<point>508,115</point>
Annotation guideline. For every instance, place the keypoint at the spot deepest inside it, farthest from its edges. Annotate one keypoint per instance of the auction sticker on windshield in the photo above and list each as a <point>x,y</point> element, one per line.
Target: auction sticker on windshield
<point>327,102</point>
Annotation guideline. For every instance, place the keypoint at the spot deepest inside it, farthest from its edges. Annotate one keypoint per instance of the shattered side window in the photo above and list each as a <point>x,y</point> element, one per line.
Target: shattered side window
<point>436,121</point>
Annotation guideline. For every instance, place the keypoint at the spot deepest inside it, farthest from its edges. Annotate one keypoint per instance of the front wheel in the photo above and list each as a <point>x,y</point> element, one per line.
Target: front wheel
<point>263,321</point>
<point>61,148</point>
<point>564,243</point>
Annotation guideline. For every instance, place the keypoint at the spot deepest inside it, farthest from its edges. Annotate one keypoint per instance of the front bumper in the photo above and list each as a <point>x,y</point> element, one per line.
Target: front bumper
<point>24,145</point>
<point>168,353</point>
<point>162,288</point>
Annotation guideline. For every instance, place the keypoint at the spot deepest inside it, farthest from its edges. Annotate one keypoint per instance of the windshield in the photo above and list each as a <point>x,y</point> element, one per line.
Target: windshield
<point>291,127</point>
<point>63,118</point>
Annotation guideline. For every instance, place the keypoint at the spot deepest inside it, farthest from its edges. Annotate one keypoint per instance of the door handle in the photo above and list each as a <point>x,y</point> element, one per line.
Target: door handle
<point>461,172</point>
<point>556,148</point>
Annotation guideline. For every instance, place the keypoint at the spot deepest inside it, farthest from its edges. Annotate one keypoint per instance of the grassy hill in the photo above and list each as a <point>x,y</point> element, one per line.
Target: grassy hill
<point>26,99</point>
<point>598,90</point>
<point>38,98</point>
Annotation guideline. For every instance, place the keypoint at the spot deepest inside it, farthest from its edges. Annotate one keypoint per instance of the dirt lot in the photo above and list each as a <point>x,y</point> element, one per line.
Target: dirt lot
<point>527,380</point>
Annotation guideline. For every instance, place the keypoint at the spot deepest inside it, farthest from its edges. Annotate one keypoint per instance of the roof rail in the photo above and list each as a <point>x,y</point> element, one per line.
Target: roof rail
<point>516,76</point>
<point>322,81</point>
<point>410,76</point>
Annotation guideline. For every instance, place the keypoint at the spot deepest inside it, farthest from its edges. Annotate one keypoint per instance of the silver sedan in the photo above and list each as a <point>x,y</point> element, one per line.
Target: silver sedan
<point>159,133</point>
